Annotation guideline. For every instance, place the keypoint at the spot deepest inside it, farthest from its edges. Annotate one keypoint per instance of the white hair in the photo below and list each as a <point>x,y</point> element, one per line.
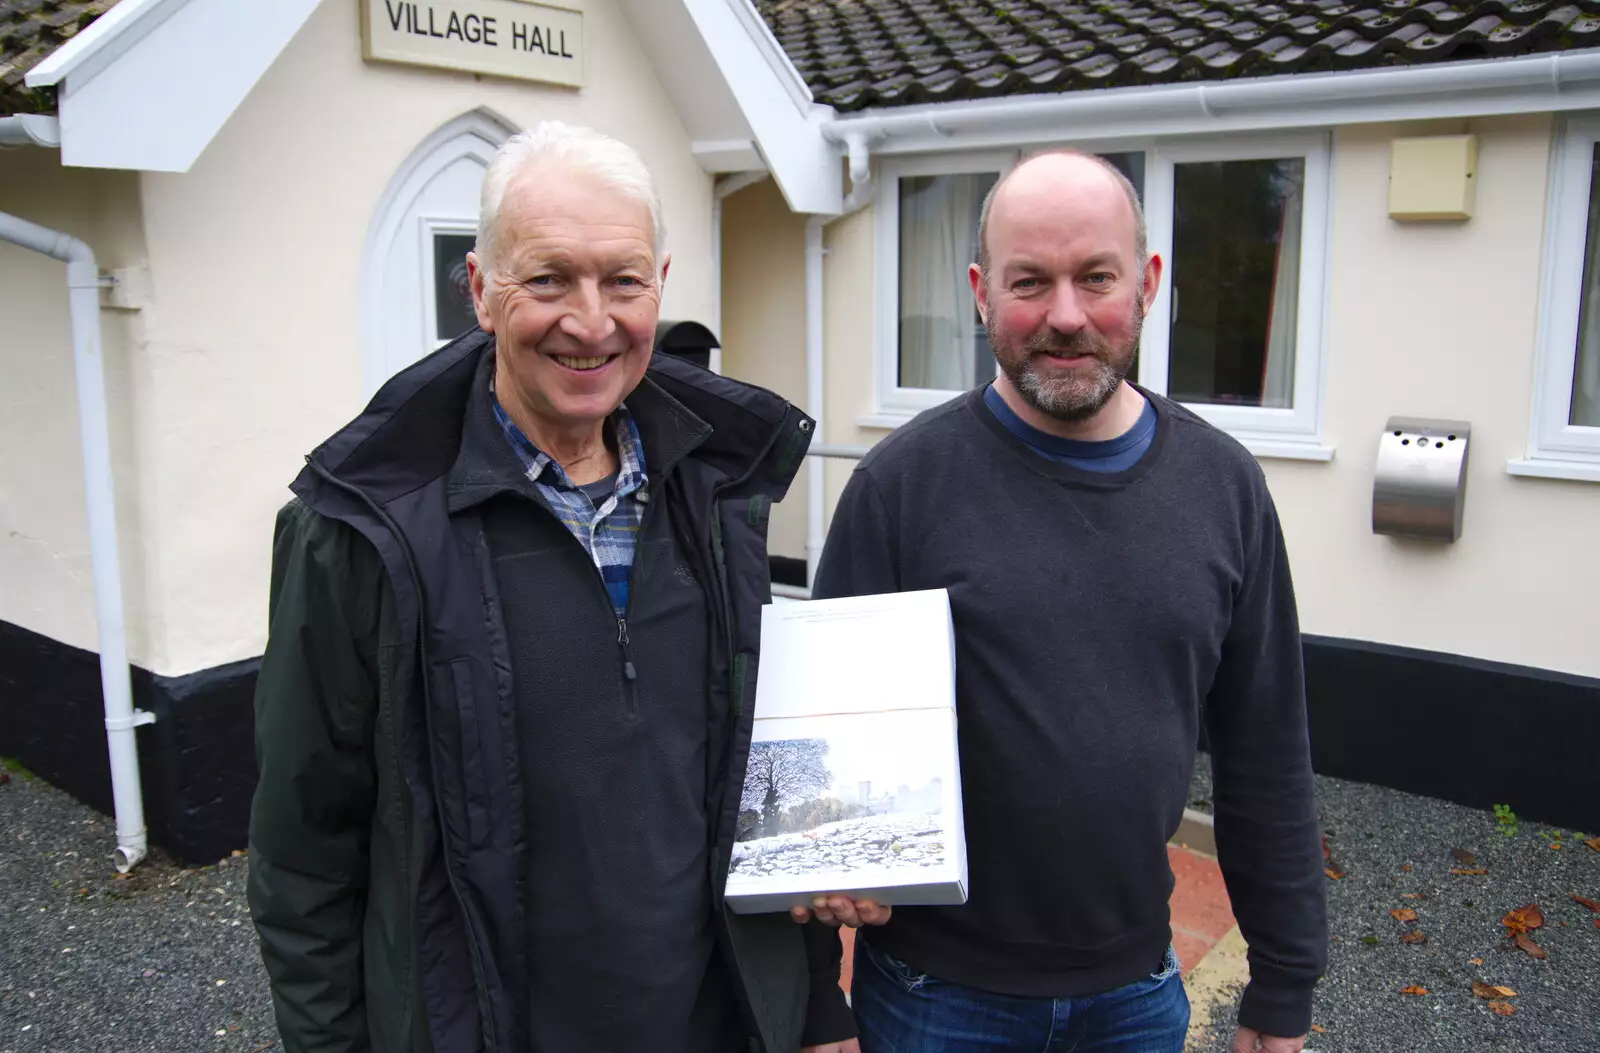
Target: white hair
<point>584,151</point>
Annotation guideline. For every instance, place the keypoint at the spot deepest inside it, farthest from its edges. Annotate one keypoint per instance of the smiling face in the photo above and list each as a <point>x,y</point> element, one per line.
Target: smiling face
<point>1064,296</point>
<point>571,291</point>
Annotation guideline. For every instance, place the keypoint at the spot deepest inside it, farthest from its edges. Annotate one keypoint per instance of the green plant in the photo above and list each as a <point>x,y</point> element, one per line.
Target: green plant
<point>1505,819</point>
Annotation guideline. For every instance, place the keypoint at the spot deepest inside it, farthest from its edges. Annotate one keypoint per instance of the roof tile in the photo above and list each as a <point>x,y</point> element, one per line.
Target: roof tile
<point>926,50</point>
<point>29,31</point>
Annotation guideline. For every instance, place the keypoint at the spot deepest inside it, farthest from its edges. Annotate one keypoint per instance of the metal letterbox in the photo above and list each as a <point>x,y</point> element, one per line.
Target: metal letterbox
<point>1421,480</point>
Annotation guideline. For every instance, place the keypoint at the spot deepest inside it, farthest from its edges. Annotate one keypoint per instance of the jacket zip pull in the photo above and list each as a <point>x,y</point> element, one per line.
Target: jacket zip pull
<point>628,671</point>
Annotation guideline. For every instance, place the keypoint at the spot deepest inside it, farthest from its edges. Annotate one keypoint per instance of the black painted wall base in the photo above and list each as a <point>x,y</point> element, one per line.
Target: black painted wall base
<point>1427,723</point>
<point>197,761</point>
<point>1466,730</point>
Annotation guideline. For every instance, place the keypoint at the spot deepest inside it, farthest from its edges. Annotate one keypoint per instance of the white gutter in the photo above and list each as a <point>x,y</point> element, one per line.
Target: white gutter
<point>83,293</point>
<point>1536,83</point>
<point>30,129</point>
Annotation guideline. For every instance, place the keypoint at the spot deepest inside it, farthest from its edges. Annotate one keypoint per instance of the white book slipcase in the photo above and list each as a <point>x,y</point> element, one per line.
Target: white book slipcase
<point>854,780</point>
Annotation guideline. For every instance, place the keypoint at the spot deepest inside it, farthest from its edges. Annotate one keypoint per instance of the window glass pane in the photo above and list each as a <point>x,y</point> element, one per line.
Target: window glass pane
<point>942,343</point>
<point>452,292</point>
<point>1131,166</point>
<point>1585,409</point>
<point>1235,281</point>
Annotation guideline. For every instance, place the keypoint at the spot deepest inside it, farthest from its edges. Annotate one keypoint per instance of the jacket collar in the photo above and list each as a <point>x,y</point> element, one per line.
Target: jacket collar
<point>411,432</point>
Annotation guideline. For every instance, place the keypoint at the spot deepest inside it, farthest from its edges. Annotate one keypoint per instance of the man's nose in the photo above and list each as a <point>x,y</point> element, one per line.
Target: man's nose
<point>587,319</point>
<point>1067,314</point>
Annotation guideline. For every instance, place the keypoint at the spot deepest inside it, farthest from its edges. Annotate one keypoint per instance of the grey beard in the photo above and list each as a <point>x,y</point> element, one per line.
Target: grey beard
<point>1067,400</point>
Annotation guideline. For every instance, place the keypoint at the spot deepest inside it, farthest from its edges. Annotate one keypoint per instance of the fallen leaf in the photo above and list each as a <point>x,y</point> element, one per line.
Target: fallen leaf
<point>1318,1028</point>
<point>1469,870</point>
<point>5,777</point>
<point>1410,895</point>
<point>1414,990</point>
<point>1523,919</point>
<point>1325,855</point>
<point>1474,961</point>
<point>1505,992</point>
<point>1503,1008</point>
<point>1594,843</point>
<point>1528,947</point>
<point>1413,936</point>
<point>1597,923</point>
<point>1584,902</point>
<point>1403,914</point>
<point>1483,990</point>
<point>1462,856</point>
<point>1406,867</point>
<point>1555,846</point>
<point>1370,941</point>
<point>1333,872</point>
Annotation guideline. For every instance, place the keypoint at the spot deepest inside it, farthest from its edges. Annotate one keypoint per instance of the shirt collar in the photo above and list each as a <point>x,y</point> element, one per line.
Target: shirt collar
<point>537,464</point>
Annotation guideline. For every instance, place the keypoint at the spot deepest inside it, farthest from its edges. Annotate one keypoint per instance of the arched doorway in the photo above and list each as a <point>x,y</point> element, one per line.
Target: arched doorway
<point>414,288</point>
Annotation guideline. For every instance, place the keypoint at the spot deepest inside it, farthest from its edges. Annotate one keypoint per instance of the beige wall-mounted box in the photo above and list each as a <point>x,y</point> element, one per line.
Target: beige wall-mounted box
<point>1432,177</point>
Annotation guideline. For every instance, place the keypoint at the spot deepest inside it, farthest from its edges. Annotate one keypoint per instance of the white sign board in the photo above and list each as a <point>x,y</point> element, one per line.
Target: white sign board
<point>504,38</point>
<point>854,778</point>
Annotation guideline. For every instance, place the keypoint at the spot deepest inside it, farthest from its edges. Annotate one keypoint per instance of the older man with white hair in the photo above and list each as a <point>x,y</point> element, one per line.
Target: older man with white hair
<point>505,707</point>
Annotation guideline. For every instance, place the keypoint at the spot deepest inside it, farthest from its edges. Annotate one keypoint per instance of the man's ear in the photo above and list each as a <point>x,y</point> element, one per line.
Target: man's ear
<point>1152,282</point>
<point>666,262</point>
<point>980,291</point>
<point>476,278</point>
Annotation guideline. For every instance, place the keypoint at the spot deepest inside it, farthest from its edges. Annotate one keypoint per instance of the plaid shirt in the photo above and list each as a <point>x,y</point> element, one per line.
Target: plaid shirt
<point>607,532</point>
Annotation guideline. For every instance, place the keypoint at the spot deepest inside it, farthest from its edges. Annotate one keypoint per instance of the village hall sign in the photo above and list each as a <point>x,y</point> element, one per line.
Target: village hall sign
<point>504,38</point>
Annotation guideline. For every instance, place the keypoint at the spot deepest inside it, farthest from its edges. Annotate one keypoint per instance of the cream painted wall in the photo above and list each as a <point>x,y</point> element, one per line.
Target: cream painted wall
<point>763,321</point>
<point>45,580</point>
<point>1439,320</point>
<point>1431,319</point>
<point>257,263</point>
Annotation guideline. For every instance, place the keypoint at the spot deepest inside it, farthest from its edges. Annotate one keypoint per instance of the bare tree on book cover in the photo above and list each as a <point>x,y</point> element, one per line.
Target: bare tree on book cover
<point>785,774</point>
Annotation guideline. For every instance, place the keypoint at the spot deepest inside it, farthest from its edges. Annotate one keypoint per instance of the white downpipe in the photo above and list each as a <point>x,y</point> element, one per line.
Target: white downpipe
<point>30,129</point>
<point>861,191</point>
<point>83,293</point>
<point>816,396</point>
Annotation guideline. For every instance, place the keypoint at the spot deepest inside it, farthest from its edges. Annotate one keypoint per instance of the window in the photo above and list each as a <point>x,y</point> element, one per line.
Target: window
<point>1235,332</point>
<point>447,292</point>
<point>1565,434</point>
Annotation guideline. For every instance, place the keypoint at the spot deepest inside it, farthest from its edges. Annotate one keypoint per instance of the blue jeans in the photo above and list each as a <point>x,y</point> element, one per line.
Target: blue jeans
<point>901,1010</point>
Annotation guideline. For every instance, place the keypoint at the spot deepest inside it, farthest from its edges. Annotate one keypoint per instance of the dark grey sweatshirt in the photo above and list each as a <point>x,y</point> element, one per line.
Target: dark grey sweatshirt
<point>1099,618</point>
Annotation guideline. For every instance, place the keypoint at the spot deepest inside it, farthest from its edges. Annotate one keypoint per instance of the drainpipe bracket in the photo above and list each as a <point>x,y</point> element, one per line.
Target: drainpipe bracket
<point>140,716</point>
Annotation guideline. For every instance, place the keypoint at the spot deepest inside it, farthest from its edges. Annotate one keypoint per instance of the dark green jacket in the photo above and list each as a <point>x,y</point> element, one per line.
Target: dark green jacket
<point>384,841</point>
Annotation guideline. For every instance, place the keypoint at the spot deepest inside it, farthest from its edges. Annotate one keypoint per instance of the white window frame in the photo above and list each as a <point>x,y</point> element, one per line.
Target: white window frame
<point>1270,432</point>
<point>1250,424</point>
<point>429,226</point>
<point>1557,448</point>
<point>897,404</point>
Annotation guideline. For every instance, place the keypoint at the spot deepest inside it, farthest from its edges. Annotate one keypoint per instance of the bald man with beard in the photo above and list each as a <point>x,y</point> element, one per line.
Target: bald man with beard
<point>1117,576</point>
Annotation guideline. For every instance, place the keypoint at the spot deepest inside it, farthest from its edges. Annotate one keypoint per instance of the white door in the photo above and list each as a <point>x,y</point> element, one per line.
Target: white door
<point>416,296</point>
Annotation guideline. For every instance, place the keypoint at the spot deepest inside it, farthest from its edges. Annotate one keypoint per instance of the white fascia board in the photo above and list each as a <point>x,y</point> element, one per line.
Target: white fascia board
<point>787,126</point>
<point>727,155</point>
<point>1567,80</point>
<point>153,91</point>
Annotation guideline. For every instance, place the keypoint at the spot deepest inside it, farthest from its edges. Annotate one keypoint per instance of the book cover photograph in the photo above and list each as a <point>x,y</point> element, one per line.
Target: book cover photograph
<point>853,782</point>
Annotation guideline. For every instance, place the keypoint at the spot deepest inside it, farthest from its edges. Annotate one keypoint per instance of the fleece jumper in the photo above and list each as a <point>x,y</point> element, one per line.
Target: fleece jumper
<point>1100,617</point>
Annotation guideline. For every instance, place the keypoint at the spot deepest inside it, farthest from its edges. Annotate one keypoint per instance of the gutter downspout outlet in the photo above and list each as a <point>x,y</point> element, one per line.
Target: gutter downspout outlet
<point>83,294</point>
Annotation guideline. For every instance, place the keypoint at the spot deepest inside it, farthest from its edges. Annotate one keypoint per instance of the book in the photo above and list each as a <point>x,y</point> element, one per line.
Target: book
<point>853,783</point>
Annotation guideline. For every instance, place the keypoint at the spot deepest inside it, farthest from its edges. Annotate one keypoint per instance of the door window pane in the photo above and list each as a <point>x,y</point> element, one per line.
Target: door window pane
<point>1585,409</point>
<point>1235,281</point>
<point>942,343</point>
<point>452,290</point>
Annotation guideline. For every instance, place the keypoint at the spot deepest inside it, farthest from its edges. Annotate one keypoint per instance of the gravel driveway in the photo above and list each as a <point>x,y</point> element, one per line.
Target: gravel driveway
<point>1395,852</point>
<point>165,960</point>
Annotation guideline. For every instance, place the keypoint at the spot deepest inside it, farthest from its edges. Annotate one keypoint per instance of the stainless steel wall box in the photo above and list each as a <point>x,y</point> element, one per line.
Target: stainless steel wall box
<point>1421,481</point>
